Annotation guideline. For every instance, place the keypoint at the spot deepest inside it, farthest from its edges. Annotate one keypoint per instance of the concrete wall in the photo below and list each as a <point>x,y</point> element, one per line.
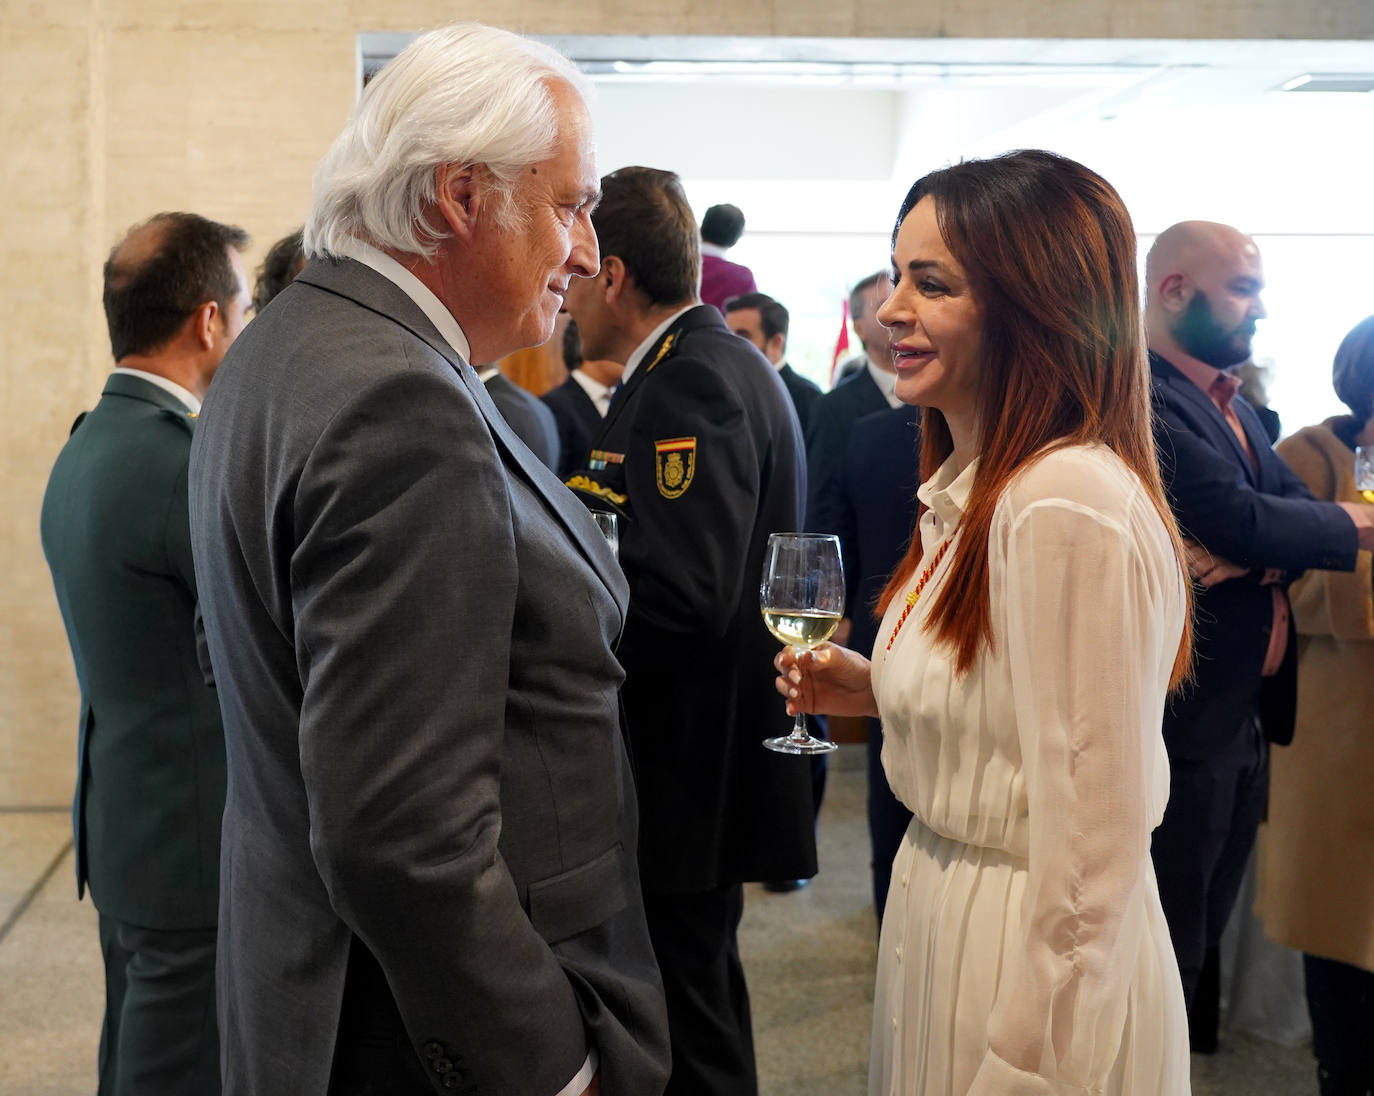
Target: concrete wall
<point>113,109</point>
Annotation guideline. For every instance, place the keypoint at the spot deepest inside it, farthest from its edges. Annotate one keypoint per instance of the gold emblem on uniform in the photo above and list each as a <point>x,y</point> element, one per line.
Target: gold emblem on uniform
<point>675,463</point>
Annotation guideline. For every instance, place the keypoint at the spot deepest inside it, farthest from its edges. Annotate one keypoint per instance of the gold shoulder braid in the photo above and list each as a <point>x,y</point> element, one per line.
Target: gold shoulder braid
<point>591,487</point>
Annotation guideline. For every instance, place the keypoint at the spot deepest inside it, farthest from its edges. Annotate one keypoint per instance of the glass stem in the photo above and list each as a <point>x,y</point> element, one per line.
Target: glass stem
<point>799,731</point>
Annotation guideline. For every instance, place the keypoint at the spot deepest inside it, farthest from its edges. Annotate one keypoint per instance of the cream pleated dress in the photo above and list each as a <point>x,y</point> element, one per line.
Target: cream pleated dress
<point>1023,949</point>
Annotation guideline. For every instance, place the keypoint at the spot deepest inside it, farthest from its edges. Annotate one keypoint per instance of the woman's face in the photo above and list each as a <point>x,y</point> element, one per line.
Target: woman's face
<point>934,324</point>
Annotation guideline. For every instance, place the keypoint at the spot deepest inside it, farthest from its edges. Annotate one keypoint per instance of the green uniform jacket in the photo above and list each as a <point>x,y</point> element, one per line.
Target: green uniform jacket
<point>150,777</point>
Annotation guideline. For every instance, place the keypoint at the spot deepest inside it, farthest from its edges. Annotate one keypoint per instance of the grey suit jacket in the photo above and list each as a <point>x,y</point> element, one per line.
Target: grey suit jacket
<point>532,422</point>
<point>411,624</point>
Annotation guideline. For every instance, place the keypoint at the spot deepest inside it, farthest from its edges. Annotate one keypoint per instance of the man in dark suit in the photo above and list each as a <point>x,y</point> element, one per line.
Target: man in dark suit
<point>429,839</point>
<point>150,764</point>
<point>763,321</point>
<point>1252,527</point>
<point>721,228</point>
<point>877,491</point>
<point>701,453</point>
<point>871,389</point>
<point>532,422</point>
<point>580,402</point>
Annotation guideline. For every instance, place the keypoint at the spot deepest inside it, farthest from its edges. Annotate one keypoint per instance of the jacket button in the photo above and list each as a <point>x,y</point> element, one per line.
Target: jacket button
<point>434,1050</point>
<point>453,1080</point>
<point>443,1065</point>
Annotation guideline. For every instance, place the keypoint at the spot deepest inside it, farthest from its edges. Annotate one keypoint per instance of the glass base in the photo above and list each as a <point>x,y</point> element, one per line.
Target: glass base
<point>806,745</point>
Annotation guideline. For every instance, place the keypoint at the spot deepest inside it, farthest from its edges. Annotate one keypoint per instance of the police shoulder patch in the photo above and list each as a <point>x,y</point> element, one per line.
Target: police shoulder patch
<point>675,462</point>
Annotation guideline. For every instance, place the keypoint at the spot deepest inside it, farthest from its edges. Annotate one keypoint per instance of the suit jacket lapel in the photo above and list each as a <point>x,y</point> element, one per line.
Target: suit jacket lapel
<point>1222,433</point>
<point>364,286</point>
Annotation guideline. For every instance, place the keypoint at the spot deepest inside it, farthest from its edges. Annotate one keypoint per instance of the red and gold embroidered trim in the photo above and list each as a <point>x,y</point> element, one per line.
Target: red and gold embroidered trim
<point>915,594</point>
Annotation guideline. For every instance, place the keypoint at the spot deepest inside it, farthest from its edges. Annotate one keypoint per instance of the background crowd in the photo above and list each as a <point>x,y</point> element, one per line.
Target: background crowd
<point>348,521</point>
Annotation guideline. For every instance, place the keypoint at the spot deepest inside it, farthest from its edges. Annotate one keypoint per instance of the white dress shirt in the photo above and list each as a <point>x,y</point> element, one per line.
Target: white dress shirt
<point>598,393</point>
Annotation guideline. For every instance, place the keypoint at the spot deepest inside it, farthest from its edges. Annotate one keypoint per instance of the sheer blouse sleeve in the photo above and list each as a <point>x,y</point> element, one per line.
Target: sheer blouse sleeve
<point>1086,627</point>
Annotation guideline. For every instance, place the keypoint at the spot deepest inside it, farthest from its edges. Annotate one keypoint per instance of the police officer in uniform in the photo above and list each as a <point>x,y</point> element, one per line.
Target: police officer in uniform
<point>701,455</point>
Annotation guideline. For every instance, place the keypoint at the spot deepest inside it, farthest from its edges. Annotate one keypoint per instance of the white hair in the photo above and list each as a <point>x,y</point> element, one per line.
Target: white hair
<point>461,94</point>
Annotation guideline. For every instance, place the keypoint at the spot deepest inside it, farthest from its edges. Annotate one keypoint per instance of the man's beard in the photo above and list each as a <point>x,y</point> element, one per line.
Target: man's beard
<point>1198,332</point>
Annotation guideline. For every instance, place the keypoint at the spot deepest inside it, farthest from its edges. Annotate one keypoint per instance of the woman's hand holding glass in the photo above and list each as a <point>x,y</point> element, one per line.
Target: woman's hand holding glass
<point>827,680</point>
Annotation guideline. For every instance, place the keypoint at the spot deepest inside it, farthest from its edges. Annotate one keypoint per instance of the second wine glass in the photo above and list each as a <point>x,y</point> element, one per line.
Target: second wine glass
<point>802,597</point>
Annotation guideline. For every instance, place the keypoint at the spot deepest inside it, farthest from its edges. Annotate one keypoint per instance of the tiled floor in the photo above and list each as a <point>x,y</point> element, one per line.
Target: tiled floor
<point>809,955</point>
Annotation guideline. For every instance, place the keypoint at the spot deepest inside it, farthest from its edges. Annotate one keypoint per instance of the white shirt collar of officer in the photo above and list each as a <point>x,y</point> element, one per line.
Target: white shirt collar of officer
<point>643,348</point>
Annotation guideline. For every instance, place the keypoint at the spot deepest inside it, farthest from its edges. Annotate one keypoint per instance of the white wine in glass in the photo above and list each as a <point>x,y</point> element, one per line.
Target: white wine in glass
<point>802,596</point>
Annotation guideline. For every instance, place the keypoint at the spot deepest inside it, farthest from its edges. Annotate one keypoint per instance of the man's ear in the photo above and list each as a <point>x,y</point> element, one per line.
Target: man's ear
<point>204,324</point>
<point>460,196</point>
<point>613,278</point>
<point>776,346</point>
<point>1175,291</point>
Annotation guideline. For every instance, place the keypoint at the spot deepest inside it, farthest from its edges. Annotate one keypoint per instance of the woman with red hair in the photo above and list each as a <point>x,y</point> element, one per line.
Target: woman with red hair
<point>1028,642</point>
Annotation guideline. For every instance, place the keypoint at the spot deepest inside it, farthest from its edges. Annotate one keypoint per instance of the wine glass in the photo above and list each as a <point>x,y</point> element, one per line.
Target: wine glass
<point>610,529</point>
<point>802,596</point>
<point>1364,471</point>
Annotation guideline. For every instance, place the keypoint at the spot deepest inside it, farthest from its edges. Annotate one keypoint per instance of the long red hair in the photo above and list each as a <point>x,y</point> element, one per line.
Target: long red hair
<point>1050,253</point>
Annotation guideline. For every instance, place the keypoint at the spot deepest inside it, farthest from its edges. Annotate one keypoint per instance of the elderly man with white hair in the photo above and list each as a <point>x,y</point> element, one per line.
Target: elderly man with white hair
<point>429,879</point>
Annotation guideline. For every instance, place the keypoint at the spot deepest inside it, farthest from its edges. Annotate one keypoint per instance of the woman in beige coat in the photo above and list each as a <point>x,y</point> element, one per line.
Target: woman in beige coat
<point>1317,852</point>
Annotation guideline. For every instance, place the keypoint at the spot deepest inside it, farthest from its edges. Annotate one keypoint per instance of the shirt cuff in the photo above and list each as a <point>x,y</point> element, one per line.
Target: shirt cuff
<point>578,1084</point>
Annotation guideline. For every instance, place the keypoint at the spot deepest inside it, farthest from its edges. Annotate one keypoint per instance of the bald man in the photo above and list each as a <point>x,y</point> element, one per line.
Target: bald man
<point>1252,528</point>
<point>150,778</point>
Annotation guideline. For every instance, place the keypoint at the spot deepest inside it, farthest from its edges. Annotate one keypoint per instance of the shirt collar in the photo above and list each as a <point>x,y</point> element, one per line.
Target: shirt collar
<point>486,374</point>
<point>712,249</point>
<point>412,287</point>
<point>597,392</point>
<point>643,348</point>
<point>886,382</point>
<point>192,404</point>
<point>1204,376</point>
<point>946,493</point>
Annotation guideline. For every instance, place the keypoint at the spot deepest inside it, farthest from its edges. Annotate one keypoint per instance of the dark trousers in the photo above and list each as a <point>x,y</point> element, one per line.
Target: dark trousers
<point>1340,999</point>
<point>1201,848</point>
<point>694,938</point>
<point>159,1034</point>
<point>888,819</point>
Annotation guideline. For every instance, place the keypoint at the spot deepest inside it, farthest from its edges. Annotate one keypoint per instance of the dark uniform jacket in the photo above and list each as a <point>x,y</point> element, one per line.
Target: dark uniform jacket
<point>877,491</point>
<point>150,764</point>
<point>1257,519</point>
<point>430,831</point>
<point>804,394</point>
<point>578,422</point>
<point>832,418</point>
<point>702,454</point>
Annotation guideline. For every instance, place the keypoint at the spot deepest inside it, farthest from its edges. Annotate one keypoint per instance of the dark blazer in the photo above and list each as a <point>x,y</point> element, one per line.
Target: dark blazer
<point>701,451</point>
<point>578,421</point>
<point>532,422</point>
<point>832,418</point>
<point>804,394</point>
<point>150,747</point>
<point>877,488</point>
<point>1260,520</point>
<point>411,622</point>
